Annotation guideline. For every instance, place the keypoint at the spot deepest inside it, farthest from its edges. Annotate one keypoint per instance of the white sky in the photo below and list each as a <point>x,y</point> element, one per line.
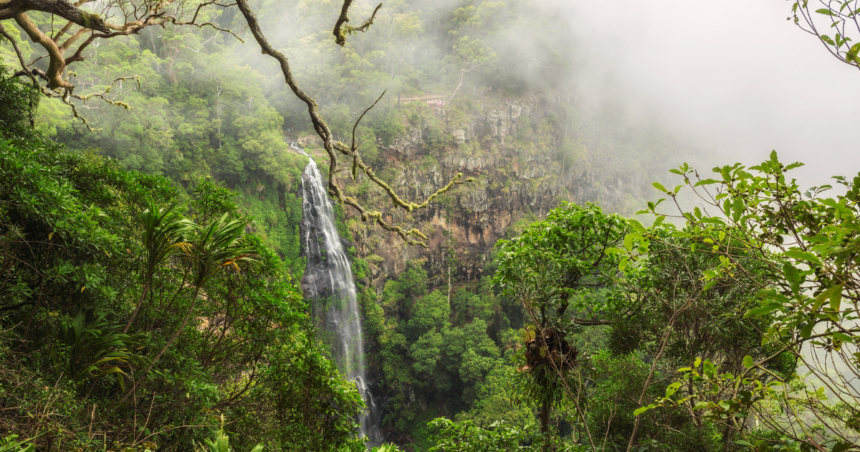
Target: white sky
<point>733,74</point>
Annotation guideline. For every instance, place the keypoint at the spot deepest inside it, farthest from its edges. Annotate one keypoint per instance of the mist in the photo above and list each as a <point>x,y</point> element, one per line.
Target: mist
<point>732,80</point>
<point>734,77</point>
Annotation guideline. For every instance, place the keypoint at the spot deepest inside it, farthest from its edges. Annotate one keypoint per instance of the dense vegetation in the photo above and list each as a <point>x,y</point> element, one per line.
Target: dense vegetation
<point>134,316</point>
<point>150,268</point>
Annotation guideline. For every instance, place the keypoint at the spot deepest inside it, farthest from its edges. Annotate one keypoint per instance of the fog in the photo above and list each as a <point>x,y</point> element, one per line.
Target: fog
<point>733,79</point>
<point>732,76</point>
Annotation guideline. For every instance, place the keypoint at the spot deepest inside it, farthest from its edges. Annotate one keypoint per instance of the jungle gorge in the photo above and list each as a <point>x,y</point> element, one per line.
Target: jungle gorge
<point>313,225</point>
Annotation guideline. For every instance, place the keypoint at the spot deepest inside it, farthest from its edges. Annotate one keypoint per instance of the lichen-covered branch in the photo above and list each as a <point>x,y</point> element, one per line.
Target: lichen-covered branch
<point>333,148</point>
<point>341,28</point>
<point>12,8</point>
<point>67,95</point>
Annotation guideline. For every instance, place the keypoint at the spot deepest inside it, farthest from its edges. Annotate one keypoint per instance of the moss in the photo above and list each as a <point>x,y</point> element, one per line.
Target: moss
<point>91,21</point>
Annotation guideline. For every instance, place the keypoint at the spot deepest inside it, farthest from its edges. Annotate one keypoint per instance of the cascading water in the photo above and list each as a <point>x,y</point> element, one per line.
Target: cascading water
<point>328,281</point>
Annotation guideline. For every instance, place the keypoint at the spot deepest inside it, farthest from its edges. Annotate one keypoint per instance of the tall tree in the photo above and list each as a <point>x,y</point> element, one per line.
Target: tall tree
<point>548,269</point>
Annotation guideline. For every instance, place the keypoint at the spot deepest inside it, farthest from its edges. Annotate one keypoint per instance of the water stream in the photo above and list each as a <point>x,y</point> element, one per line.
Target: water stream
<point>328,282</point>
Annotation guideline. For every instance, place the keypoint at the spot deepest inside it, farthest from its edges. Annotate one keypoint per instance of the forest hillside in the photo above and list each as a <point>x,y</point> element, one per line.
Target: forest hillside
<point>430,238</point>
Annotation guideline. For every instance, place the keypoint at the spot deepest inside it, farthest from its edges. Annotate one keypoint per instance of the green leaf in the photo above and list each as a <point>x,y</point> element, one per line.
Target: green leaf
<point>748,361</point>
<point>672,389</point>
<point>802,255</point>
<point>836,299</point>
<point>641,410</point>
<point>707,182</point>
<point>738,209</point>
<point>825,12</point>
<point>824,296</point>
<point>791,273</point>
<point>843,337</point>
<point>660,187</point>
<point>842,446</point>
<point>806,331</point>
<point>762,311</point>
<point>793,276</point>
<point>853,52</point>
<point>637,226</point>
<point>709,369</point>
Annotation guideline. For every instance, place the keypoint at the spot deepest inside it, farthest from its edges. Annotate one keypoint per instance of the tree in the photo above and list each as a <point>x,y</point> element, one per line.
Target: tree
<point>664,309</point>
<point>470,53</point>
<point>549,267</point>
<point>841,17</point>
<point>429,313</point>
<point>799,249</point>
<point>466,436</point>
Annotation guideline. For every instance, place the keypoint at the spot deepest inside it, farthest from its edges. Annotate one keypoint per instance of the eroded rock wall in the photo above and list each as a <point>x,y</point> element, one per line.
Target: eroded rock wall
<point>517,177</point>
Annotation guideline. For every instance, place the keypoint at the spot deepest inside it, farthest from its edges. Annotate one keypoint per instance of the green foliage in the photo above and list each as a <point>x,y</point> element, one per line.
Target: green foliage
<point>313,410</point>
<point>555,259</point>
<point>19,102</point>
<point>96,349</point>
<point>796,247</point>
<point>466,436</point>
<point>431,312</point>
<point>10,444</point>
<point>221,443</point>
<point>428,350</point>
<point>386,448</point>
<point>87,246</point>
<point>387,128</point>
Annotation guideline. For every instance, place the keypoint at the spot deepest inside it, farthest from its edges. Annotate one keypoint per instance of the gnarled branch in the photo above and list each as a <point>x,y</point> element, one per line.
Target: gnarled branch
<point>341,29</point>
<point>13,8</point>
<point>333,147</point>
<point>145,14</point>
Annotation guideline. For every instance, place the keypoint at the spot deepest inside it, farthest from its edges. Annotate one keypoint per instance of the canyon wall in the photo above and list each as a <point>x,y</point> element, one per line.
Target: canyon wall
<point>523,164</point>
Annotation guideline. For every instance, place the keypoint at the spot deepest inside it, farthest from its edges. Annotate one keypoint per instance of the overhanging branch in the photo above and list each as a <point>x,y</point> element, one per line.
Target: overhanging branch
<point>333,147</point>
<point>341,29</point>
<point>62,8</point>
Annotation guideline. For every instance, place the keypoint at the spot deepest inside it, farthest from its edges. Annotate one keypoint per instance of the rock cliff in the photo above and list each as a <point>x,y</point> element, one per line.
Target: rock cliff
<point>523,165</point>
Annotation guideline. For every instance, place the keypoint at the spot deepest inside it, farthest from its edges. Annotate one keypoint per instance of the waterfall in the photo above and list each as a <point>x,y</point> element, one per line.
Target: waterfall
<point>328,282</point>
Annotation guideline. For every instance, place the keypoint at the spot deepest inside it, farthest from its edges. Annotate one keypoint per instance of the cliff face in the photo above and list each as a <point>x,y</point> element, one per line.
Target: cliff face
<point>523,165</point>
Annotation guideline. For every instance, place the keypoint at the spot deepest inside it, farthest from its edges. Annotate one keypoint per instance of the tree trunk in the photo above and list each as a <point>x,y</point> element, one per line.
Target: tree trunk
<point>449,285</point>
<point>137,308</point>
<point>545,411</point>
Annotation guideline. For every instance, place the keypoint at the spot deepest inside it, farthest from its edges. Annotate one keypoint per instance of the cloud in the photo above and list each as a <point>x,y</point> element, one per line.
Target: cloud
<point>733,76</point>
